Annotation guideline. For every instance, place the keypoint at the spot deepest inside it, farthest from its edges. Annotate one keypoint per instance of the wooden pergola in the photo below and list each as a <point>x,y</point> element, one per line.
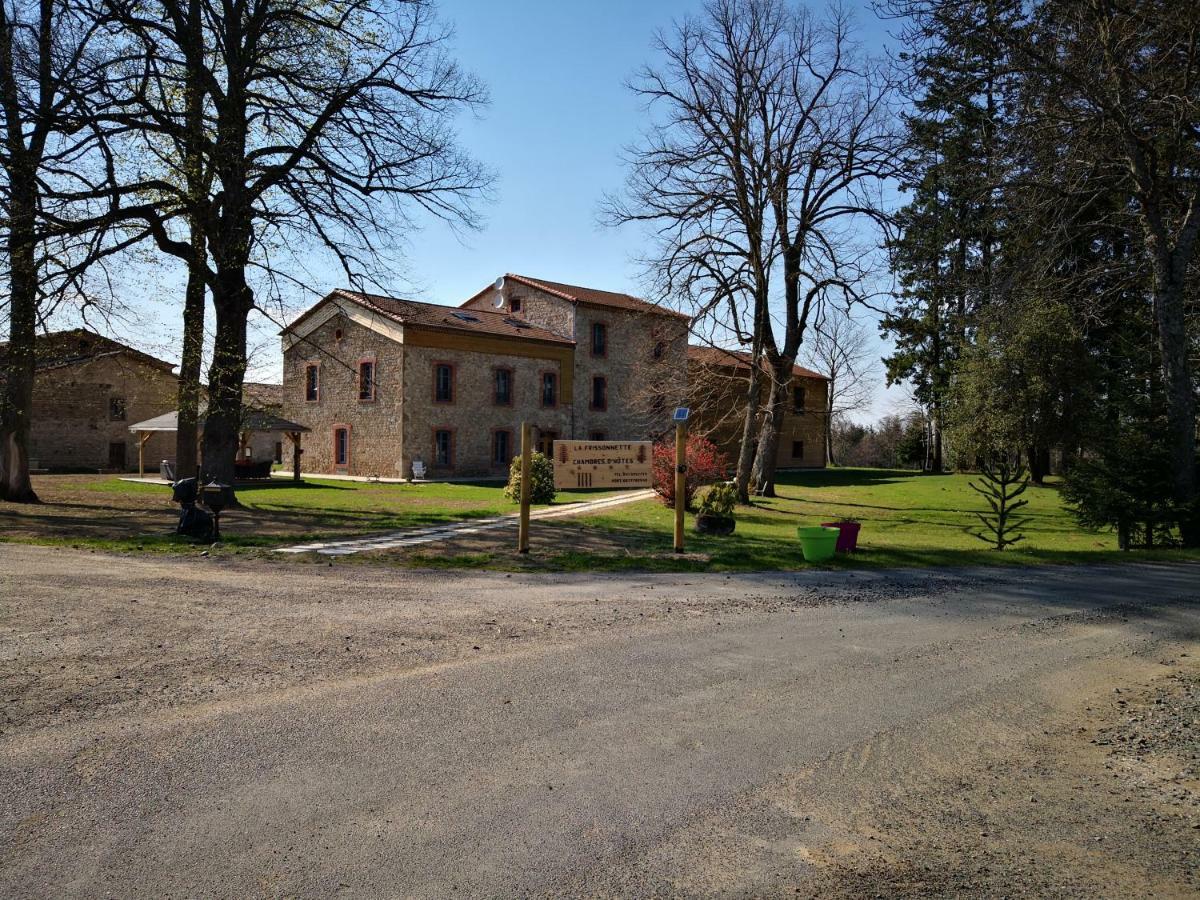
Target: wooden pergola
<point>253,420</point>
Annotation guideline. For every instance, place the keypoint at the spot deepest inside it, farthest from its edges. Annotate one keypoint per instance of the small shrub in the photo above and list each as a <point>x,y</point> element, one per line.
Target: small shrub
<point>719,500</point>
<point>541,479</point>
<point>1003,482</point>
<point>705,463</point>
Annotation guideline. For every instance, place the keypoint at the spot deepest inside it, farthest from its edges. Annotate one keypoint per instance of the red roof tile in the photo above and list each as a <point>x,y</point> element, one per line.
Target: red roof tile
<point>737,359</point>
<point>431,315</point>
<point>589,296</point>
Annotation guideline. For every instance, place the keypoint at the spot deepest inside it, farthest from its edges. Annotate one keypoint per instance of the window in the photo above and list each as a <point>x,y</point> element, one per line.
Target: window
<point>599,392</point>
<point>797,449</point>
<point>501,447</point>
<point>443,447</point>
<point>599,339</point>
<point>341,446</point>
<point>597,436</point>
<point>503,393</point>
<point>797,399</point>
<point>549,389</point>
<point>279,451</point>
<point>515,304</point>
<point>545,442</point>
<point>660,347</point>
<point>337,335</point>
<point>116,409</point>
<point>312,383</point>
<point>366,379</point>
<point>443,383</point>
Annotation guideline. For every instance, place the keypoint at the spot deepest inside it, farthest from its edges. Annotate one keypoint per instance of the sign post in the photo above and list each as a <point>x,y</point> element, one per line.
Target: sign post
<point>680,416</point>
<point>526,449</point>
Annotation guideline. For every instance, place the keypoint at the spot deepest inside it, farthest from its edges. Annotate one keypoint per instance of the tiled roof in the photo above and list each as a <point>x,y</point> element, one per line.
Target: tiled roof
<point>431,315</point>
<point>68,348</point>
<point>258,395</point>
<point>737,359</point>
<point>590,296</point>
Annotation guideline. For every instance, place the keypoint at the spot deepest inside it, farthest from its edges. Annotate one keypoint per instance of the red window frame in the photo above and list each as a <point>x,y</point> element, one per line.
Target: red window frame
<point>542,387</point>
<point>370,361</point>
<point>602,381</point>
<point>498,464</point>
<point>603,332</point>
<point>512,378</point>
<point>314,367</point>
<point>435,431</point>
<point>453,382</point>
<point>349,451</point>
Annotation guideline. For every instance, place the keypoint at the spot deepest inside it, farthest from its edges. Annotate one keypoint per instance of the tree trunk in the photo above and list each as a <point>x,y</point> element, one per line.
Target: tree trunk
<point>20,365</point>
<point>767,453</point>
<point>1037,467</point>
<point>746,449</point>
<point>829,460</point>
<point>189,368</point>
<point>16,403</point>
<point>1177,384</point>
<point>232,301</point>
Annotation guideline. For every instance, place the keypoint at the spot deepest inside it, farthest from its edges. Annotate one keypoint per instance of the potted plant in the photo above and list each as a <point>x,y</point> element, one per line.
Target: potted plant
<point>817,542</point>
<point>848,529</point>
<point>716,510</point>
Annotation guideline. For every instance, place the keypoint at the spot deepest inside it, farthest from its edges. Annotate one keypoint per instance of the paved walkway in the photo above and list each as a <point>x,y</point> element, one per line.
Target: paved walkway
<point>413,536</point>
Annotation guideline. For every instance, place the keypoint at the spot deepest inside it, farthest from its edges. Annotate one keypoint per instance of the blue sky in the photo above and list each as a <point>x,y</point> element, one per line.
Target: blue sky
<point>553,132</point>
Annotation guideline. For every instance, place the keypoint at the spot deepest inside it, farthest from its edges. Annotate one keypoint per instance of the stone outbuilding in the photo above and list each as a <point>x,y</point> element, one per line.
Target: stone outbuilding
<point>717,384</point>
<point>86,391</point>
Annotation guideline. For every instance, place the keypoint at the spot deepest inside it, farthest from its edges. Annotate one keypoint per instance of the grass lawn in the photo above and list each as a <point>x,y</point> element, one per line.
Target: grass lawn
<point>108,513</point>
<point>908,519</point>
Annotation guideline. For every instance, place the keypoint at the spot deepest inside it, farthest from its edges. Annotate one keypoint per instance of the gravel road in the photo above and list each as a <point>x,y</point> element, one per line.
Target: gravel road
<point>245,728</point>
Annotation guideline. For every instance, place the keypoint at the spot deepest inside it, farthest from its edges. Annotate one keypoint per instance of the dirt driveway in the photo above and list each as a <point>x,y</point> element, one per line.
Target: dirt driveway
<point>242,728</point>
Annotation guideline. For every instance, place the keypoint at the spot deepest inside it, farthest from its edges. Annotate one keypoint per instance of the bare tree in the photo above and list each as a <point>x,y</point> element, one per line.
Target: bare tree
<point>699,177</point>
<point>840,349</point>
<point>49,71</point>
<point>303,125</point>
<point>772,135</point>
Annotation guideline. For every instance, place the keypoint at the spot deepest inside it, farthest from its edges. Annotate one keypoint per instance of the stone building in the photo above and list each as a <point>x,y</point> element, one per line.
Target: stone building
<point>717,382</point>
<point>86,392</point>
<point>383,382</point>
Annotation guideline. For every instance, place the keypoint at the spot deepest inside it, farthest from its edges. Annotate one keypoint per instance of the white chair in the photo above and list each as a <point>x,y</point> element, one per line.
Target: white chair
<point>418,470</point>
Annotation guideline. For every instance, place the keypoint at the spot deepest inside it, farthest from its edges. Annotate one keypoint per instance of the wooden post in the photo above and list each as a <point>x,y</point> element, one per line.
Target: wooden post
<point>526,451</point>
<point>680,482</point>
<point>143,436</point>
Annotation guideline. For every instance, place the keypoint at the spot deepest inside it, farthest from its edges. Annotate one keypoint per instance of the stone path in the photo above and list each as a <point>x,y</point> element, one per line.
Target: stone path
<point>413,536</point>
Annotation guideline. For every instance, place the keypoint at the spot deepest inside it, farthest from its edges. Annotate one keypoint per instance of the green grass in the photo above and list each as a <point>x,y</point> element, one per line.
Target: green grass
<point>281,513</point>
<point>908,519</point>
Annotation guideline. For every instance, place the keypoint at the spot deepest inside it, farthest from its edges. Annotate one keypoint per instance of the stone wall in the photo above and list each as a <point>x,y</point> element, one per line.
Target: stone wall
<point>642,390</point>
<point>718,396</point>
<point>74,426</point>
<point>376,431</point>
<point>473,417</point>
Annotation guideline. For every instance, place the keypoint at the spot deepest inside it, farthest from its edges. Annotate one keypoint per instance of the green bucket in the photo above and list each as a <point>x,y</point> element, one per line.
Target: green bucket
<point>817,542</point>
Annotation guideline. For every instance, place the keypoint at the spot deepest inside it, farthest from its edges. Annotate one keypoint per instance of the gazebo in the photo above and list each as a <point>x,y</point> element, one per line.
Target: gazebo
<point>253,421</point>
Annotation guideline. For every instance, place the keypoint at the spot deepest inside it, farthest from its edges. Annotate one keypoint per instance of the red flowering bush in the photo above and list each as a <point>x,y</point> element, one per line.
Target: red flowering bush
<point>705,464</point>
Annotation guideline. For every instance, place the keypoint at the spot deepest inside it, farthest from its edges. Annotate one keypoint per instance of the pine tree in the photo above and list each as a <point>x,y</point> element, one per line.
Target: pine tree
<point>945,253</point>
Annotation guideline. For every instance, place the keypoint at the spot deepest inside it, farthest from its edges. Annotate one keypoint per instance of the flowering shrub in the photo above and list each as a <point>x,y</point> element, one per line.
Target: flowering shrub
<point>705,464</point>
<point>541,479</point>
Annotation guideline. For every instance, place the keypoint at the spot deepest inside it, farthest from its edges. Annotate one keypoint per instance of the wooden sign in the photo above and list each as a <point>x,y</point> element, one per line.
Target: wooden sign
<point>602,464</point>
